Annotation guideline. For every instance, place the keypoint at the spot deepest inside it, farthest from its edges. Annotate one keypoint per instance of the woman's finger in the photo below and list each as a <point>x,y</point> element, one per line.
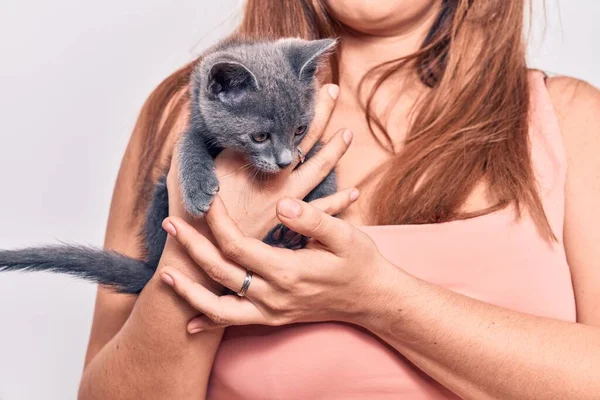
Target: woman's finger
<point>337,202</point>
<point>203,323</point>
<point>208,256</point>
<point>247,251</point>
<point>325,103</point>
<point>309,221</point>
<point>222,310</point>
<point>308,175</point>
<point>173,174</point>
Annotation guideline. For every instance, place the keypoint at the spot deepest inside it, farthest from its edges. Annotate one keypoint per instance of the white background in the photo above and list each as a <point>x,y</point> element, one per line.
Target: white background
<point>73,76</point>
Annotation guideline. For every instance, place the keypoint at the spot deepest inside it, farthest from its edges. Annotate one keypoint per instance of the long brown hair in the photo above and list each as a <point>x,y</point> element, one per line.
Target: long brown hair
<point>470,127</point>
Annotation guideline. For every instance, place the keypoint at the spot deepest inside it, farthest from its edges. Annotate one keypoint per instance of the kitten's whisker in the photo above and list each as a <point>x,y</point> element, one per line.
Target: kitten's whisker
<point>240,169</point>
<point>249,181</point>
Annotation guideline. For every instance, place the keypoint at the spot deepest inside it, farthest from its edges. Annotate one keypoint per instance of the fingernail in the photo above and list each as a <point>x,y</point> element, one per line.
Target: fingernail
<point>334,91</point>
<point>170,228</point>
<point>354,195</point>
<point>168,279</point>
<point>195,327</point>
<point>289,208</point>
<point>347,136</point>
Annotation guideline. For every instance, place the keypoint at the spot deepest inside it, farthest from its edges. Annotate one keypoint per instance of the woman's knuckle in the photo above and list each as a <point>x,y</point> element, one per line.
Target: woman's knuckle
<point>313,135</point>
<point>288,280</point>
<point>319,224</point>
<point>326,162</point>
<point>276,306</point>
<point>322,113</point>
<point>185,242</point>
<point>321,160</point>
<point>328,165</point>
<point>214,272</point>
<point>277,321</point>
<point>318,167</point>
<point>232,249</point>
<point>280,316</point>
<point>183,291</point>
<point>218,318</point>
<point>329,208</point>
<point>322,110</point>
<point>219,275</point>
<point>285,281</point>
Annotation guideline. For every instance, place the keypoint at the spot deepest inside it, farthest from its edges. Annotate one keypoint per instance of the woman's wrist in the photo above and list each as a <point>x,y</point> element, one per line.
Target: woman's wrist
<point>154,343</point>
<point>386,299</point>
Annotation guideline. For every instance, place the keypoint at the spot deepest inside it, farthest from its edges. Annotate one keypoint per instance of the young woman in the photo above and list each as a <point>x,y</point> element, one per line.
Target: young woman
<point>467,268</point>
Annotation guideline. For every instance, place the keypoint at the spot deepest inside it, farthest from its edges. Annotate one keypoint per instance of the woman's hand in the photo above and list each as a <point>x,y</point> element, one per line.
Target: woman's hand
<point>337,277</point>
<point>250,200</point>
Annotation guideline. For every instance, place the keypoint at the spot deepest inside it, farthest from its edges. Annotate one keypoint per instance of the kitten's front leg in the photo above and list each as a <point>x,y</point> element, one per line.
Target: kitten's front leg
<point>198,180</point>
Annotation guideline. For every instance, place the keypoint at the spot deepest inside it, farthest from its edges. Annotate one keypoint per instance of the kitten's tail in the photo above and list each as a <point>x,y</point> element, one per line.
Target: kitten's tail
<point>126,275</point>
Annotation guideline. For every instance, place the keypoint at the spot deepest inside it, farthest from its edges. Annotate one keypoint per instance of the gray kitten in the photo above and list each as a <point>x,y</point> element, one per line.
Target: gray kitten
<point>254,97</point>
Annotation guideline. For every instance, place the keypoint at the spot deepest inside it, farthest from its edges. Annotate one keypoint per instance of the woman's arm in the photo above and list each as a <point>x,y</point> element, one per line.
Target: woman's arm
<point>481,351</point>
<point>138,346</point>
<point>140,349</point>
<point>577,106</point>
<point>152,356</point>
<point>475,349</point>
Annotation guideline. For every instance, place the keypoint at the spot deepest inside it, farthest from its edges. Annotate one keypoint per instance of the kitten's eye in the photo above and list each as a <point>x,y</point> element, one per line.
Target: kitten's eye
<point>260,137</point>
<point>301,130</point>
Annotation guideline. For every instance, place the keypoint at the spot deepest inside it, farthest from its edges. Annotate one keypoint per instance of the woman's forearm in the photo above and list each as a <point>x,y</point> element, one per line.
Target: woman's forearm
<point>482,351</point>
<point>153,356</point>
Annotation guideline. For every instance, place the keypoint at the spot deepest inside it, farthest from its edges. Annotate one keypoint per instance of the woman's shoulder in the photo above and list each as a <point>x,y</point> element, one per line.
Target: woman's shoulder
<point>569,92</point>
<point>576,103</point>
<point>577,107</point>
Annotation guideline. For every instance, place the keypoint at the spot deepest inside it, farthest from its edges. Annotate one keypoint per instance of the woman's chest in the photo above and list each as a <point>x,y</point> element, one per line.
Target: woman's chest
<point>494,258</point>
<point>360,165</point>
<point>365,162</point>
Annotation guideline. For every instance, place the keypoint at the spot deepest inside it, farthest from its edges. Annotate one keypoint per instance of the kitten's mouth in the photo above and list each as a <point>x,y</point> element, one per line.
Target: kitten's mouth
<point>267,168</point>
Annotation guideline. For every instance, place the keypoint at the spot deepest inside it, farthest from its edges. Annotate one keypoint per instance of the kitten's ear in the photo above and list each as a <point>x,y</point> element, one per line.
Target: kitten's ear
<point>304,55</point>
<point>230,79</point>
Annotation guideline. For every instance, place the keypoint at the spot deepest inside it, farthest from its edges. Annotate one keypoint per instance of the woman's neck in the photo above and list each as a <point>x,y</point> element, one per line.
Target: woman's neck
<point>394,99</point>
<point>361,52</point>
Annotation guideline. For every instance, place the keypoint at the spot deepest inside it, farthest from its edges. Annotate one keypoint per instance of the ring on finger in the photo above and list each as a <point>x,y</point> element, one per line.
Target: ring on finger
<point>246,284</point>
<point>301,155</point>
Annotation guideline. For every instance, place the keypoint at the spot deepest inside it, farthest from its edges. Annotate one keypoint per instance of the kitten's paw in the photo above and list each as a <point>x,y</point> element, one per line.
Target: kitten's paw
<point>284,237</point>
<point>197,199</point>
<point>198,203</point>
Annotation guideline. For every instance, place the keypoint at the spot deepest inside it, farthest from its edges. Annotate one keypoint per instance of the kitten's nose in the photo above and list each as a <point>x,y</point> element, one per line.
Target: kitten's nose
<point>283,164</point>
<point>284,158</point>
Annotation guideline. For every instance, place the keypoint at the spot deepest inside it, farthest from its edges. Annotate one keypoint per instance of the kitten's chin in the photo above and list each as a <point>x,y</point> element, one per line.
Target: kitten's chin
<point>270,170</point>
<point>266,168</point>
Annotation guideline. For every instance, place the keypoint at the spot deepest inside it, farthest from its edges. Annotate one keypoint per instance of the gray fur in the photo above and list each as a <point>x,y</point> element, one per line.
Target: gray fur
<point>239,90</point>
<point>244,89</point>
<point>125,274</point>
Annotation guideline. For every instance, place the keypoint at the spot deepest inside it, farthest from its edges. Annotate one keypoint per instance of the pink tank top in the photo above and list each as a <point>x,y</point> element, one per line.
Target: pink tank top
<point>494,258</point>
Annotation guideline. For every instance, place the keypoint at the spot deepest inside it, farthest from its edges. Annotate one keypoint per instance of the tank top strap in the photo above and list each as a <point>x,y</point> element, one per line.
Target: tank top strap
<point>548,155</point>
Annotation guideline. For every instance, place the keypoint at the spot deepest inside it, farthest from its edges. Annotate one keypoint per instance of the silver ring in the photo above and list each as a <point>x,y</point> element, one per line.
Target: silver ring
<point>301,155</point>
<point>246,284</point>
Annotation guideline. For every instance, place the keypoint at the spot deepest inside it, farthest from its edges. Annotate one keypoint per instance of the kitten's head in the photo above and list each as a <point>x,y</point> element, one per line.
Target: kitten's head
<point>258,97</point>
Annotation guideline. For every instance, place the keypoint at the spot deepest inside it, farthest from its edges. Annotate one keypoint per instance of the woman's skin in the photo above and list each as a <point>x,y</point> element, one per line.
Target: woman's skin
<point>141,348</point>
<point>150,354</point>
